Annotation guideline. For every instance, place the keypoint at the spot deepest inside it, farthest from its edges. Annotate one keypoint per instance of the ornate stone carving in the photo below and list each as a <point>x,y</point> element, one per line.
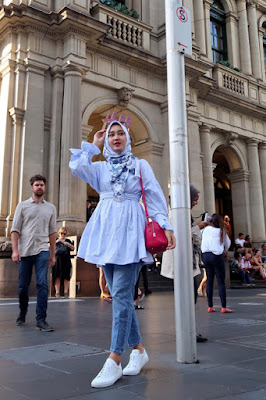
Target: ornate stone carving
<point>231,137</point>
<point>124,96</point>
<point>17,115</point>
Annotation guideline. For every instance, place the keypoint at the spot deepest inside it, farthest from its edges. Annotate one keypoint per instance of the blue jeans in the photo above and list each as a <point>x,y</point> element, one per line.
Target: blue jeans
<point>121,280</point>
<point>41,262</point>
<point>215,265</point>
<point>244,276</point>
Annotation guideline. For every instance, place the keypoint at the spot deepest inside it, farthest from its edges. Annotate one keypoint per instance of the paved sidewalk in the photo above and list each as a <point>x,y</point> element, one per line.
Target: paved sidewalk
<point>61,364</point>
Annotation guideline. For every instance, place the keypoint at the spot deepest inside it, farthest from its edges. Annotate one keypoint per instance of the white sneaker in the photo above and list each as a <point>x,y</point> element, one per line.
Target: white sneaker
<point>136,362</point>
<point>108,375</point>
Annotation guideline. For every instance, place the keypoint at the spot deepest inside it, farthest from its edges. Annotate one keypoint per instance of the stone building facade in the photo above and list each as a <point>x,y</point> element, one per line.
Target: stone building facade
<point>65,63</point>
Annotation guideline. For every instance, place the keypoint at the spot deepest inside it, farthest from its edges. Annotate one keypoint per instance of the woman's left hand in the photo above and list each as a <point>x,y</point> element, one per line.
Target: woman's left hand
<point>171,239</point>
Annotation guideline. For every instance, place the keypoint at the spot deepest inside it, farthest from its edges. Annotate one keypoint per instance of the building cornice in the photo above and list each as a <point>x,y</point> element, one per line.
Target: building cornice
<point>230,101</point>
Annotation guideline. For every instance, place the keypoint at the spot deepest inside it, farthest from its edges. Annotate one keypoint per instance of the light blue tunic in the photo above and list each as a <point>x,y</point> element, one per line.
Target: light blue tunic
<point>115,231</point>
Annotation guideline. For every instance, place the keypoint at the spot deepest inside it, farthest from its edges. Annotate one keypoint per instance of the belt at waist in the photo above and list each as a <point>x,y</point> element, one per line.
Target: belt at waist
<point>124,196</point>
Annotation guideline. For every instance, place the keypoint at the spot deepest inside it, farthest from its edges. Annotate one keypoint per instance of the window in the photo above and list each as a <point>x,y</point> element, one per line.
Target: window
<point>264,48</point>
<point>218,32</point>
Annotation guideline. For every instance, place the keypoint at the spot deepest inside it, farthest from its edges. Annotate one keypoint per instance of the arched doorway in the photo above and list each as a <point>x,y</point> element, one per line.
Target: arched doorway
<point>231,184</point>
<point>222,187</point>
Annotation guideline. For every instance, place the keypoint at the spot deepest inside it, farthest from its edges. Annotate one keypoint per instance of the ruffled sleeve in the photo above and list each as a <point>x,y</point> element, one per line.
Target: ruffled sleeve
<point>155,199</point>
<point>82,166</point>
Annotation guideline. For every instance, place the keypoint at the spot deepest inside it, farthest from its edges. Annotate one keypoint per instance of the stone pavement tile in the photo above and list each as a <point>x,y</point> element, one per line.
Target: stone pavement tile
<point>157,338</point>
<point>204,385</point>
<point>90,366</point>
<point>8,394</point>
<point>110,394</point>
<point>230,325</point>
<point>11,373</point>
<point>55,388</point>
<point>254,395</point>
<point>257,364</point>
<point>210,354</point>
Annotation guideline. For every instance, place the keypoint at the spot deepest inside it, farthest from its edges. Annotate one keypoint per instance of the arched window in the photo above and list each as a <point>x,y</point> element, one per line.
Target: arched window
<point>218,32</point>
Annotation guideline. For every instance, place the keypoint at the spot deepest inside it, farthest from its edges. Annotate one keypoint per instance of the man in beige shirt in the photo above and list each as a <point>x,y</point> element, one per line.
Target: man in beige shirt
<point>34,225</point>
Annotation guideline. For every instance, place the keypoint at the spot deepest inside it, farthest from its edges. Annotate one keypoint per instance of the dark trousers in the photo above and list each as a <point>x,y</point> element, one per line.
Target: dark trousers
<point>244,276</point>
<point>144,271</point>
<point>136,289</point>
<point>215,265</point>
<point>41,262</point>
<point>195,289</point>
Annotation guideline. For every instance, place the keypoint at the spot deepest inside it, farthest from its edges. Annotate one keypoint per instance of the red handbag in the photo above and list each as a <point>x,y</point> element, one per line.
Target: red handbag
<point>155,239</point>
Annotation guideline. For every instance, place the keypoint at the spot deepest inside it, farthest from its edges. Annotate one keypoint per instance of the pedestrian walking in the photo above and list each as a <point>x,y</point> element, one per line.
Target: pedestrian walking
<point>167,268</point>
<point>34,225</point>
<point>214,242</point>
<point>114,236</point>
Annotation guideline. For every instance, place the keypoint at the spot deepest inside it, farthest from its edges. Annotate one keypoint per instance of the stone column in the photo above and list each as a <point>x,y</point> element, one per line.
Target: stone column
<point>136,5</point>
<point>6,102</point>
<point>245,56</point>
<point>129,4</point>
<point>262,61</point>
<point>194,158</point>
<point>56,126</point>
<point>232,39</point>
<point>207,6</point>
<point>240,202</point>
<point>33,140</point>
<point>205,139</point>
<point>199,25</point>
<point>255,192</point>
<point>72,195</point>
<point>146,9</point>
<point>17,115</point>
<point>262,156</point>
<point>254,40</point>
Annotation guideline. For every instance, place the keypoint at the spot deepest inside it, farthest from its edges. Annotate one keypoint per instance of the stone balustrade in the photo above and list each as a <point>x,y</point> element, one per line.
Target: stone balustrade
<point>233,84</point>
<point>230,80</point>
<point>236,83</point>
<point>123,28</point>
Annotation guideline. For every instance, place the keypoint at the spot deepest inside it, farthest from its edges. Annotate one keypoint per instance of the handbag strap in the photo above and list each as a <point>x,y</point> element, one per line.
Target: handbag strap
<point>143,197</point>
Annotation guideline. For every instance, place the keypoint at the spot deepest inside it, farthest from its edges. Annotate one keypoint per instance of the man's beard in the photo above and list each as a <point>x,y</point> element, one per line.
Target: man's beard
<point>38,194</point>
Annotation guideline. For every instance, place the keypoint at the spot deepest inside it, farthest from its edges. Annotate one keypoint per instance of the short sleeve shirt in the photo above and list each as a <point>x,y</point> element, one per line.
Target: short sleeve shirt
<point>34,222</point>
<point>240,241</point>
<point>244,263</point>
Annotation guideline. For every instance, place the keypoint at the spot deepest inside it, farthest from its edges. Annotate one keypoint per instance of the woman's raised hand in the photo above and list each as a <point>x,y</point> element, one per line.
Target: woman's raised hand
<point>99,137</point>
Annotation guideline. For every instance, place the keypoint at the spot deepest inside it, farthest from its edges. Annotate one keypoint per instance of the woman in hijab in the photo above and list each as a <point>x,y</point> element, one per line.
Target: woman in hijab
<point>114,236</point>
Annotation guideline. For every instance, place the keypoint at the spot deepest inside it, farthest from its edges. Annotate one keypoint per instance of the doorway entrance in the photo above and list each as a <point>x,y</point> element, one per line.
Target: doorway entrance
<point>222,187</point>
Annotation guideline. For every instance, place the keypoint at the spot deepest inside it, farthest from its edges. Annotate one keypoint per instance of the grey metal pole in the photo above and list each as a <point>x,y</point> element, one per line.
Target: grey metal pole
<point>180,194</point>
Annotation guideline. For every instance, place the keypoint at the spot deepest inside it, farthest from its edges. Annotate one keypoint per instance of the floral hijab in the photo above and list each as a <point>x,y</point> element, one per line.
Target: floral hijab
<point>119,164</point>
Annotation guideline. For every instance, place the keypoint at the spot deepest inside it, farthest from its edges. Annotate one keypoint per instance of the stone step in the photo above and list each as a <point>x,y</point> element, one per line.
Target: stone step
<point>158,283</point>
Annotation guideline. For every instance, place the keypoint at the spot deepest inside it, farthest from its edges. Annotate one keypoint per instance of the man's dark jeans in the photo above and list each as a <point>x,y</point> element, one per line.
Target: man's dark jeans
<point>41,262</point>
<point>215,265</point>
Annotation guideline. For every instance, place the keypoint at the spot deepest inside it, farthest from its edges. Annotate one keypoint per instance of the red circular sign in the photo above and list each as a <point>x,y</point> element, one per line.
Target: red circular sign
<point>181,14</point>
